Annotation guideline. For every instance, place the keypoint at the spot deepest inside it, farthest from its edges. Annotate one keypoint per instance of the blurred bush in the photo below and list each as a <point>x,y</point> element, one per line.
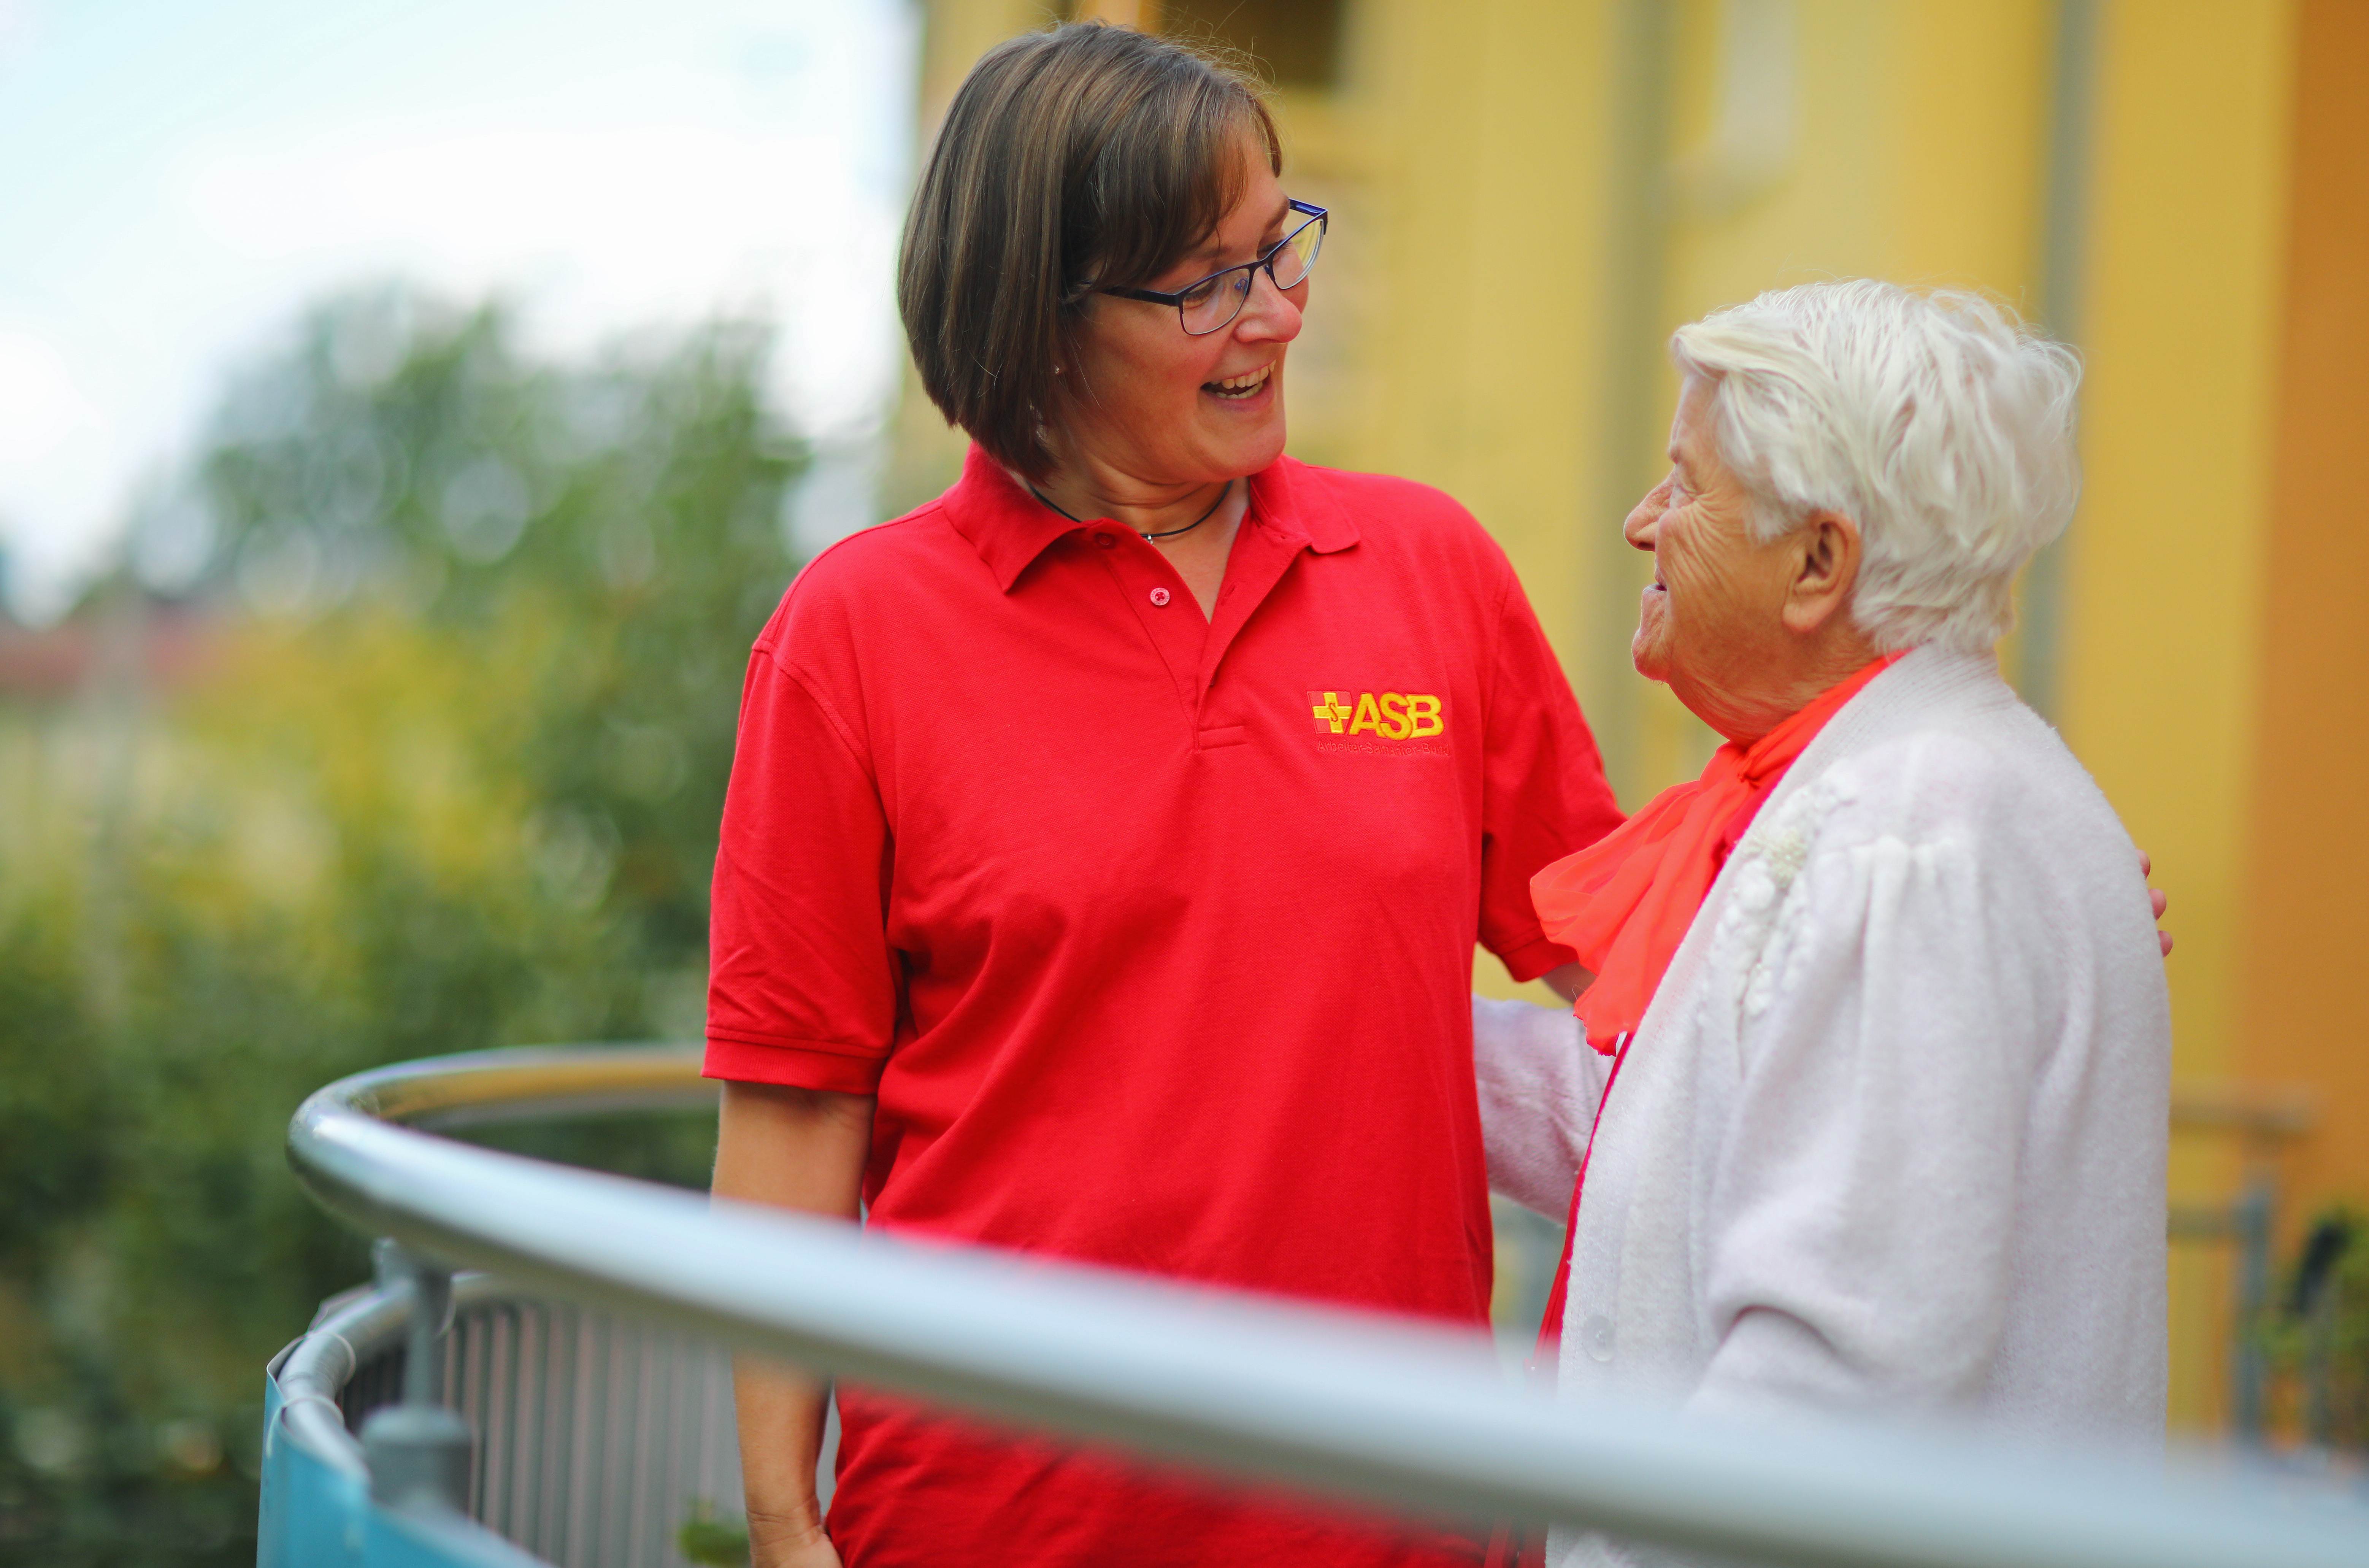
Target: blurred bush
<point>432,760</point>
<point>2316,1336</point>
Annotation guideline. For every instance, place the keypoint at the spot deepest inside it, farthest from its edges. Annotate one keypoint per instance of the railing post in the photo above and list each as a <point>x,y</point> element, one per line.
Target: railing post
<point>418,1451</point>
<point>2252,1218</point>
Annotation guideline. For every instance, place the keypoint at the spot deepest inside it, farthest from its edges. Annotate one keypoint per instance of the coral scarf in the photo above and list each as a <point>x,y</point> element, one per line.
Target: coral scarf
<point>1623,904</point>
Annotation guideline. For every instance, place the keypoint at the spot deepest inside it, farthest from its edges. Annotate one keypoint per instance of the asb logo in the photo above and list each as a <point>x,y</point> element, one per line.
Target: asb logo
<point>1387,716</point>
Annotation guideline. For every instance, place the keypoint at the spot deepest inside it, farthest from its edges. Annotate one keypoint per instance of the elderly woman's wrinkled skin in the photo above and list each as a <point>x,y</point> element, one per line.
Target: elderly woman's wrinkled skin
<point>1745,631</point>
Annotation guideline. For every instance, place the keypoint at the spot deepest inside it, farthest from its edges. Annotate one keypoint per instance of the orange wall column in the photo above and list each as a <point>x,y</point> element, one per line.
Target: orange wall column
<point>2304,1018</point>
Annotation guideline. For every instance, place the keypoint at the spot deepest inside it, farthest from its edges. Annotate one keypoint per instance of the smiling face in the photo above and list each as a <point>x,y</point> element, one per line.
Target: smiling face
<point>1150,403</point>
<point>1713,623</point>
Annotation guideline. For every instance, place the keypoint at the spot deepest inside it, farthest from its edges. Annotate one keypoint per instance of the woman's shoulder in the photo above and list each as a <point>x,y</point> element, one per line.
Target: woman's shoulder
<point>1391,510</point>
<point>872,557</point>
<point>1957,756</point>
<point>872,567</point>
<point>1378,489</point>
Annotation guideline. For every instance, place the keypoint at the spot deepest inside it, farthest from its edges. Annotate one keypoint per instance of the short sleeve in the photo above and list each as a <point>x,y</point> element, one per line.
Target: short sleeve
<point>802,985</point>
<point>1543,790</point>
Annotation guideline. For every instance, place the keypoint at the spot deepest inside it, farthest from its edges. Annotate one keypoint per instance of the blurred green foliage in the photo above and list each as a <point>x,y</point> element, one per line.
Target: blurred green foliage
<point>438,766</point>
<point>2317,1335</point>
<point>706,1539</point>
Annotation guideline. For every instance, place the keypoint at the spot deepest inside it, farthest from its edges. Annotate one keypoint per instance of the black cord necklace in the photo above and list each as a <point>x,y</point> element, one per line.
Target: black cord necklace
<point>1149,537</point>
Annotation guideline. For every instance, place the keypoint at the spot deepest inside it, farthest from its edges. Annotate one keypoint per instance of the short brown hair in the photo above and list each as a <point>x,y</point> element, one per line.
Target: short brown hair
<point>1083,153</point>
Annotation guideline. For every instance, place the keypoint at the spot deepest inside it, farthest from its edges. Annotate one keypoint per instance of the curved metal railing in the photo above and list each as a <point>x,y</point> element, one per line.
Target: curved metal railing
<point>595,1441</point>
<point>1391,1414</point>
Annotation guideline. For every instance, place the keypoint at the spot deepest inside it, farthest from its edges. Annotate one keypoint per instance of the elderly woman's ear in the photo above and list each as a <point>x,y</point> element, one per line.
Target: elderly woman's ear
<point>1824,550</point>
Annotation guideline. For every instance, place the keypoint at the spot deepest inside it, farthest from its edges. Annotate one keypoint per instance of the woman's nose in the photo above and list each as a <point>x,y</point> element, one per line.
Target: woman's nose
<point>1638,527</point>
<point>1269,314</point>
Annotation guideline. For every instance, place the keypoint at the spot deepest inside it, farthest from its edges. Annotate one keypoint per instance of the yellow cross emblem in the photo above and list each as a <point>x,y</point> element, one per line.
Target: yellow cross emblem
<point>1330,711</point>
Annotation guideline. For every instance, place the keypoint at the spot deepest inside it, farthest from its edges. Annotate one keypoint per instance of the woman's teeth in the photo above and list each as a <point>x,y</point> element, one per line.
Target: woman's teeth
<point>1240,386</point>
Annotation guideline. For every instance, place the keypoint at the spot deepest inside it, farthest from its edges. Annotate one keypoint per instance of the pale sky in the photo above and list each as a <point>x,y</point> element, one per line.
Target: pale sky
<point>179,179</point>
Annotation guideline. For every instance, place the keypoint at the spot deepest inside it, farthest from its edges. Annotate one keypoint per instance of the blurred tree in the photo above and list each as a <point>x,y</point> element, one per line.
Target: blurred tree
<point>447,777</point>
<point>602,542</point>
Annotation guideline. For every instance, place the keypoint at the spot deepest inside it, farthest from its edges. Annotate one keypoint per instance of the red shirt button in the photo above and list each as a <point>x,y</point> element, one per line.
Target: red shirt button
<point>1159,595</point>
<point>1105,542</point>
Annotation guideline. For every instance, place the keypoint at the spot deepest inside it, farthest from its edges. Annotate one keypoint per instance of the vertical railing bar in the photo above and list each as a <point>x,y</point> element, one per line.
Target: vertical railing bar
<point>592,1421</point>
<point>617,1462</point>
<point>564,1455</point>
<point>624,1362</point>
<point>659,1450</point>
<point>2249,1363</point>
<point>559,1459</point>
<point>635,1458</point>
<point>711,1485</point>
<point>494,1436</point>
<point>666,1450</point>
<point>473,1391</point>
<point>667,1493</point>
<point>595,1455</point>
<point>516,1394</point>
<point>516,1493</point>
<point>544,1392</point>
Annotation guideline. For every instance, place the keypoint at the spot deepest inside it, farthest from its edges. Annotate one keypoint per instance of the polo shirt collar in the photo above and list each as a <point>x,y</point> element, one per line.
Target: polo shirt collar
<point>1286,497</point>
<point>1010,528</point>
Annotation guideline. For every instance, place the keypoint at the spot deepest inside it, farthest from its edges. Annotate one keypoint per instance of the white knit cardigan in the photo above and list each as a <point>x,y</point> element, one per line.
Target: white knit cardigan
<point>1890,1138</point>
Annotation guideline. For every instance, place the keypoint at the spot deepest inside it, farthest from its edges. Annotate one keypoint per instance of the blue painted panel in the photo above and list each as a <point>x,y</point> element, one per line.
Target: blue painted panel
<point>311,1512</point>
<point>318,1516</point>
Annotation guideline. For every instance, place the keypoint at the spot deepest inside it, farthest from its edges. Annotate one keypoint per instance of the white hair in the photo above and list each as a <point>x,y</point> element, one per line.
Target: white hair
<point>1938,422</point>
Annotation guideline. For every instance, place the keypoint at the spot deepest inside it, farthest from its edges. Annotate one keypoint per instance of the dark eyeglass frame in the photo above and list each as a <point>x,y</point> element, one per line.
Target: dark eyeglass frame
<point>1314,214</point>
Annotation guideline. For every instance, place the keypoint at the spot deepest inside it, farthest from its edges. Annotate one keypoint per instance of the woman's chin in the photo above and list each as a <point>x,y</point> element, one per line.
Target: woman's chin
<point>1245,451</point>
<point>1649,648</point>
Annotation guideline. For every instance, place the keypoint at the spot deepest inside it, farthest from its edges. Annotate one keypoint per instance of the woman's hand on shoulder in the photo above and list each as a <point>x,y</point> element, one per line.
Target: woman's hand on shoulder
<point>2162,900</point>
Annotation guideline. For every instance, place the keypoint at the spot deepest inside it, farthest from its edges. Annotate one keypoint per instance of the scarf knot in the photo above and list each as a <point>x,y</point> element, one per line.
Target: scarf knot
<point>1624,903</point>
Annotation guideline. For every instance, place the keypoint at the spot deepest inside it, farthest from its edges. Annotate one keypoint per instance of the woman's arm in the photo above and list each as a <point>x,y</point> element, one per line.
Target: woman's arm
<point>1539,1086</point>
<point>801,1149</point>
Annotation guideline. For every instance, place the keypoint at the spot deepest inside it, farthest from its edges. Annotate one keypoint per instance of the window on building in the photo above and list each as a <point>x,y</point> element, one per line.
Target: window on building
<point>1298,41</point>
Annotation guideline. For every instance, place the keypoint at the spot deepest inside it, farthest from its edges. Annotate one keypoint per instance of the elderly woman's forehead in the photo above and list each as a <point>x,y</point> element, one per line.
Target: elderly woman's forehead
<point>1690,421</point>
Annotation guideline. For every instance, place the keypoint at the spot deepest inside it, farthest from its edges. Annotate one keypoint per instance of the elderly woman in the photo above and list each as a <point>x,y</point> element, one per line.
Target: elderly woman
<point>1876,1063</point>
<point>1108,839</point>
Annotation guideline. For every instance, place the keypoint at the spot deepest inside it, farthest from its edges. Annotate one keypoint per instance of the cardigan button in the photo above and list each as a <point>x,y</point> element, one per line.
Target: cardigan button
<point>1159,595</point>
<point>1596,1336</point>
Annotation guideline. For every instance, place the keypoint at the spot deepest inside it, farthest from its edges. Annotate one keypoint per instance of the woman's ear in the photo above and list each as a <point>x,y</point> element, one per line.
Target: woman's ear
<point>1826,555</point>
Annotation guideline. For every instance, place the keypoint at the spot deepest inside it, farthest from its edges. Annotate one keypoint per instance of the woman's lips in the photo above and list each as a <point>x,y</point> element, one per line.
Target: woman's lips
<point>1237,388</point>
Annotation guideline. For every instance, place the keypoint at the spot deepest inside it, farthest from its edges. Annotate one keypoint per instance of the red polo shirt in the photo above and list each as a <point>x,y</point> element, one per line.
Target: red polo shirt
<point>1152,933</point>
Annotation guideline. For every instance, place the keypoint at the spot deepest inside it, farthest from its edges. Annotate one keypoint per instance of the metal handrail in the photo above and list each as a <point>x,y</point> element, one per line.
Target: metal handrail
<point>318,1367</point>
<point>1393,1412</point>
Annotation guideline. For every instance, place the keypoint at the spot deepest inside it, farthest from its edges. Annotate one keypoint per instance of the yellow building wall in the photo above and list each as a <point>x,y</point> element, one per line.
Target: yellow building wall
<point>1477,141</point>
<point>1488,314</point>
<point>2165,574</point>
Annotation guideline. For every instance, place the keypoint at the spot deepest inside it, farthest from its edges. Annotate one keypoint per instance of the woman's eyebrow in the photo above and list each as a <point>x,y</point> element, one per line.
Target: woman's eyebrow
<point>1210,250</point>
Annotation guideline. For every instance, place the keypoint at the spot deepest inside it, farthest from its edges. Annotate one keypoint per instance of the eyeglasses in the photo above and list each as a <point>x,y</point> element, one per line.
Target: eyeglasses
<point>1214,302</point>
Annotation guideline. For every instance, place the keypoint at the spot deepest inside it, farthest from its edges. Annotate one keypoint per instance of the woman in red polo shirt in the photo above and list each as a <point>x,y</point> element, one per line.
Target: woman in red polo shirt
<point>1108,839</point>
